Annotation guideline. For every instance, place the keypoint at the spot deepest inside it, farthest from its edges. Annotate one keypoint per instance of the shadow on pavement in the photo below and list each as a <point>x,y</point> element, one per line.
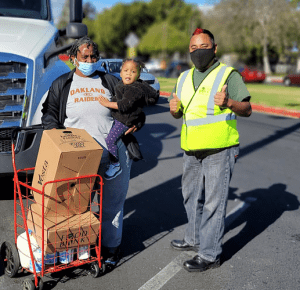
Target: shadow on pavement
<point>279,134</point>
<point>270,204</point>
<point>155,213</point>
<point>150,139</point>
<point>158,108</point>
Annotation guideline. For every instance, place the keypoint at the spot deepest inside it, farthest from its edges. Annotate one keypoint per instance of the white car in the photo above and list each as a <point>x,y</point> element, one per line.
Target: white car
<point>113,66</point>
<point>153,65</point>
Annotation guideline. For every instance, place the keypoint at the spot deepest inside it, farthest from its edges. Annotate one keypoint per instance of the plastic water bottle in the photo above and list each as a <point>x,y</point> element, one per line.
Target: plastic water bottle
<point>50,258</point>
<point>24,253</point>
<point>83,253</point>
<point>66,257</point>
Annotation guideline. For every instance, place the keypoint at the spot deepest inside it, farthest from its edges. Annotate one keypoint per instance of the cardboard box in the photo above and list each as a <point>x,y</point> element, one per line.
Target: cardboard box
<point>63,154</point>
<point>62,232</point>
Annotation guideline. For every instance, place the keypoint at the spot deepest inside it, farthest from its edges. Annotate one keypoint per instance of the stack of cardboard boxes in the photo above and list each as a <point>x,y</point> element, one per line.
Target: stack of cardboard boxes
<point>68,221</point>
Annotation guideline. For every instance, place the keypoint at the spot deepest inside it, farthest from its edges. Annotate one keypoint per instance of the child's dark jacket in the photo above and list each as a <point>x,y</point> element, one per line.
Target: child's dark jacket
<point>131,99</point>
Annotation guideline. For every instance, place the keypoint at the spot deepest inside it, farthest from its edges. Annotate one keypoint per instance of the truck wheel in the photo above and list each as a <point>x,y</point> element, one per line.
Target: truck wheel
<point>10,256</point>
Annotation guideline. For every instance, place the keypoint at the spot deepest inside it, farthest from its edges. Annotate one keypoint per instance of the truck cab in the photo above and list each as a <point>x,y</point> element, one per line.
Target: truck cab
<point>29,48</point>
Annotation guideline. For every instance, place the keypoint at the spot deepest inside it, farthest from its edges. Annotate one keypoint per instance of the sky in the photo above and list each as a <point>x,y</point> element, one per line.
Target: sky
<point>57,5</point>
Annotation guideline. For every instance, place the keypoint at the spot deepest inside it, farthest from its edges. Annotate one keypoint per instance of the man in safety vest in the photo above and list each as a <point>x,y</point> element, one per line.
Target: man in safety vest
<point>208,98</point>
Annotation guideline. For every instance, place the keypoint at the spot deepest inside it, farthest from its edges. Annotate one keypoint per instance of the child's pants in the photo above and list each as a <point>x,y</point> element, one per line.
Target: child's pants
<point>115,133</point>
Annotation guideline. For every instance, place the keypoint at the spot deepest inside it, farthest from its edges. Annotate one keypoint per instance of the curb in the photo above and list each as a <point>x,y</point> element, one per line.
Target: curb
<point>264,109</point>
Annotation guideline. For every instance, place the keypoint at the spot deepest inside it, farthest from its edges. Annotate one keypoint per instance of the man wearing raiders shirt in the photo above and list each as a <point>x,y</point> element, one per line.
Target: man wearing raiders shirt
<point>72,101</point>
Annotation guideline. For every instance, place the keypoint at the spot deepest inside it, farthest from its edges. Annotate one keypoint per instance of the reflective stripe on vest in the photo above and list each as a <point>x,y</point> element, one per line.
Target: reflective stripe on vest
<point>205,126</point>
<point>210,120</point>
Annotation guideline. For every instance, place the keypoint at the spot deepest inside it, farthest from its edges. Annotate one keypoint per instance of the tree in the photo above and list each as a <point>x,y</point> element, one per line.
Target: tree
<point>175,22</point>
<point>65,15</point>
<point>163,37</point>
<point>162,8</point>
<point>112,26</point>
<point>89,10</point>
<point>244,25</point>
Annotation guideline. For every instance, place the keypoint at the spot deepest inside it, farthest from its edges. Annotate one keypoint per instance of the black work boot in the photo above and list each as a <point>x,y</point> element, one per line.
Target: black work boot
<point>198,264</point>
<point>182,245</point>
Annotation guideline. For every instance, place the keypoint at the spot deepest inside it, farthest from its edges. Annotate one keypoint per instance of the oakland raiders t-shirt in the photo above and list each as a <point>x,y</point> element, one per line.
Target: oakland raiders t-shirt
<point>84,110</point>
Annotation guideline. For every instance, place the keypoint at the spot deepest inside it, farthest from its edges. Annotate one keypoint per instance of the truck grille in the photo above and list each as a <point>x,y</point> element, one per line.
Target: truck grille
<point>5,140</point>
<point>13,89</point>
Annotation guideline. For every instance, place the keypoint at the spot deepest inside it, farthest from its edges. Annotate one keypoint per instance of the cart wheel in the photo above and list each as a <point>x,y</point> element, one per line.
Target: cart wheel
<point>41,284</point>
<point>10,256</point>
<point>95,270</point>
<point>102,269</point>
<point>28,284</point>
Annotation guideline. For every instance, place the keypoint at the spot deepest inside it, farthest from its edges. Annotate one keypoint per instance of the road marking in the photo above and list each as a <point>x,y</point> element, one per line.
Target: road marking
<point>238,210</point>
<point>161,278</point>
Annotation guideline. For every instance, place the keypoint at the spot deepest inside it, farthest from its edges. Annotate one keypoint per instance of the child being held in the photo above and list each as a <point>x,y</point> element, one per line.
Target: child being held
<point>132,94</point>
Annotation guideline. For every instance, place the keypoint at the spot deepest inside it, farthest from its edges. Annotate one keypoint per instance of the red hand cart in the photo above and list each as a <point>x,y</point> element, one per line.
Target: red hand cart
<point>79,239</point>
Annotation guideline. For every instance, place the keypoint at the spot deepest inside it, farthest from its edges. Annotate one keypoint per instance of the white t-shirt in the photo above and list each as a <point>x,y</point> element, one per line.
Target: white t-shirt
<point>84,110</point>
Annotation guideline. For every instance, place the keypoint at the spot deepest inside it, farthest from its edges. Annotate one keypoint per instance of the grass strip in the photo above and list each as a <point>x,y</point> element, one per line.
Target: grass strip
<point>263,94</point>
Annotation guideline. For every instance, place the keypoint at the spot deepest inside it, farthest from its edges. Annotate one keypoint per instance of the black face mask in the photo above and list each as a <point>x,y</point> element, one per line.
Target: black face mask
<point>201,58</point>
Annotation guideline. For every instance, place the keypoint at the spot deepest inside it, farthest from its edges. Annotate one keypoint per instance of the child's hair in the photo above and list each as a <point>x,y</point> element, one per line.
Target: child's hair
<point>139,63</point>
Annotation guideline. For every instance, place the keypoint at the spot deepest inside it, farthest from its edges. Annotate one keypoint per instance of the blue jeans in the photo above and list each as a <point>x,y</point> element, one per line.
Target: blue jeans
<point>205,186</point>
<point>114,196</point>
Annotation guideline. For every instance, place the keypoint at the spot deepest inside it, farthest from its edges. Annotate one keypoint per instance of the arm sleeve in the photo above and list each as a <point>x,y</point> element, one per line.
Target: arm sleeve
<point>151,97</point>
<point>130,98</point>
<point>50,111</point>
<point>237,89</point>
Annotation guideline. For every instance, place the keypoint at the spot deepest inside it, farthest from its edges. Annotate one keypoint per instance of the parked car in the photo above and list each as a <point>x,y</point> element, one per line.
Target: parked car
<point>292,79</point>
<point>252,75</point>
<point>113,66</point>
<point>153,65</point>
<point>175,68</point>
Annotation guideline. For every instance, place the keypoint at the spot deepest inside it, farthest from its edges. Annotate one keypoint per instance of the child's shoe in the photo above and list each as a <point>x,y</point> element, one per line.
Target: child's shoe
<point>113,171</point>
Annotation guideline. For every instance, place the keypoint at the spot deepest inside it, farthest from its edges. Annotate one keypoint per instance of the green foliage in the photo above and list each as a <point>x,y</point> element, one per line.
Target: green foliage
<point>163,37</point>
<point>185,18</point>
<point>113,26</point>
<point>162,8</point>
<point>264,94</point>
<point>245,26</point>
<point>163,25</point>
<point>65,16</point>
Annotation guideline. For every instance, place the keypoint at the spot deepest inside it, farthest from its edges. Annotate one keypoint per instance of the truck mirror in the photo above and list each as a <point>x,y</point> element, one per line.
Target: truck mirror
<point>76,30</point>
<point>76,13</point>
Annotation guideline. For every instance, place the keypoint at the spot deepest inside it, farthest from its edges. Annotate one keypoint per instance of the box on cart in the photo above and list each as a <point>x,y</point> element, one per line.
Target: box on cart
<point>61,233</point>
<point>65,153</point>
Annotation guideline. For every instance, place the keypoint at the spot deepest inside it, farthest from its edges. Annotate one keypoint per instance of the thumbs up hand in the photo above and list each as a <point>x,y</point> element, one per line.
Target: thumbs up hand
<point>221,98</point>
<point>175,104</point>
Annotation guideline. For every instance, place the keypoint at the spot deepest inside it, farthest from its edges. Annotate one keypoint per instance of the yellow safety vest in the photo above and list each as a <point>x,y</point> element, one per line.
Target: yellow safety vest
<point>205,125</point>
